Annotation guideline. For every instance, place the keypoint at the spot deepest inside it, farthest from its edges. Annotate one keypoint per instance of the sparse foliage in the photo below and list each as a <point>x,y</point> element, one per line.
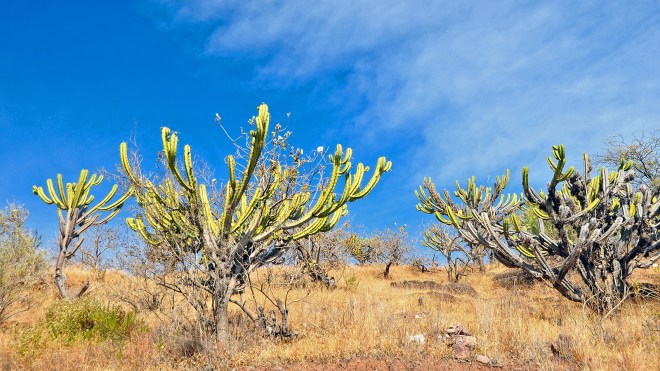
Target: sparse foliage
<point>392,247</point>
<point>102,244</point>
<point>644,152</point>
<point>320,253</point>
<point>21,263</point>
<point>445,240</point>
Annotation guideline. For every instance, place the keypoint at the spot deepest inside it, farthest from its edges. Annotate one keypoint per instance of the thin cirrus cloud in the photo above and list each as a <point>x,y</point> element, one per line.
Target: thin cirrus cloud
<point>486,86</point>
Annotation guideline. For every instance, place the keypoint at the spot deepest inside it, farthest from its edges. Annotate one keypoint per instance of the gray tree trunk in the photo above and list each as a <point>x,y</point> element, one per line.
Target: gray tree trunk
<point>60,279</point>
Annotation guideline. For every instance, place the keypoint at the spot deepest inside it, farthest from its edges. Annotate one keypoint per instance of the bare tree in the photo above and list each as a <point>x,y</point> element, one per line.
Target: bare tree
<point>392,247</point>
<point>102,243</point>
<point>644,152</point>
<point>447,242</point>
<point>320,253</point>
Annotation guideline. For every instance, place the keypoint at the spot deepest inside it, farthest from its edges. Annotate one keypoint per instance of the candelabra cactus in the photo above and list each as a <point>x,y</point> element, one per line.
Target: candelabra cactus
<point>265,207</point>
<point>75,199</point>
<point>604,228</point>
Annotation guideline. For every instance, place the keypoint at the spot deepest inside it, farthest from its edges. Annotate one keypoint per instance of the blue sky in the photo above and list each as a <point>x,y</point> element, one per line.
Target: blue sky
<point>446,89</point>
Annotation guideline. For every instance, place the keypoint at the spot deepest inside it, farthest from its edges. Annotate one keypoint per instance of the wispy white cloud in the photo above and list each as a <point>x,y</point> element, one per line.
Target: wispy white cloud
<point>485,85</point>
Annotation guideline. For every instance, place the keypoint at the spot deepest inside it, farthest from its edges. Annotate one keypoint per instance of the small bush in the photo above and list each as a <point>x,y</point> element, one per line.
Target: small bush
<point>352,282</point>
<point>21,263</point>
<point>68,322</point>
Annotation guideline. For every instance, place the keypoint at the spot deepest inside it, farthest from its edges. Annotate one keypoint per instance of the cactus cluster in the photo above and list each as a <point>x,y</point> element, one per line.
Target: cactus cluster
<point>76,200</point>
<point>603,228</point>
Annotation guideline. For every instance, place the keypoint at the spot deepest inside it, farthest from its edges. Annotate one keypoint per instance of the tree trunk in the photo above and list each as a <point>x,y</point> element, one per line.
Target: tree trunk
<point>60,279</point>
<point>386,274</point>
<point>221,319</point>
<point>613,287</point>
<point>224,289</point>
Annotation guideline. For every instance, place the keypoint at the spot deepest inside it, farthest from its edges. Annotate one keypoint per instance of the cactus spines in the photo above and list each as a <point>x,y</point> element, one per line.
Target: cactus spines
<point>265,207</point>
<point>603,229</point>
<point>76,200</point>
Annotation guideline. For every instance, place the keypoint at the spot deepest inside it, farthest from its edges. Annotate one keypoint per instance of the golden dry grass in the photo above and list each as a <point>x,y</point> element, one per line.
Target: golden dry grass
<point>366,318</point>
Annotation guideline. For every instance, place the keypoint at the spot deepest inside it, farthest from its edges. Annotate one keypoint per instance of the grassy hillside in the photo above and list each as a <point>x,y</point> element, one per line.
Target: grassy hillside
<point>366,323</point>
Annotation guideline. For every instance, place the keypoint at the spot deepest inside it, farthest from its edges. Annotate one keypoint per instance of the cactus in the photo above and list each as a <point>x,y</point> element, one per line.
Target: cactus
<point>76,200</point>
<point>603,228</point>
<point>266,206</point>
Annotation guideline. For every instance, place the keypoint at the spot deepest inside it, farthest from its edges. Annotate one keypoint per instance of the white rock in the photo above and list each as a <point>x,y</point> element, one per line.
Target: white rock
<point>419,339</point>
<point>482,359</point>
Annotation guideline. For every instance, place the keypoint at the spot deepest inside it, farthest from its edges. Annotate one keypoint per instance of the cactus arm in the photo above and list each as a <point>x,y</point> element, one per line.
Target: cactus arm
<point>170,142</point>
<point>123,155</point>
<point>60,187</point>
<point>51,190</point>
<point>258,141</point>
<point>39,191</point>
<point>118,203</point>
<point>382,166</point>
<point>206,207</point>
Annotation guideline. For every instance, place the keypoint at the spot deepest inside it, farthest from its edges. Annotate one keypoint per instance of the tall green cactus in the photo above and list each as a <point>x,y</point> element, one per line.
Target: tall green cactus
<point>603,228</point>
<point>76,200</point>
<point>265,207</point>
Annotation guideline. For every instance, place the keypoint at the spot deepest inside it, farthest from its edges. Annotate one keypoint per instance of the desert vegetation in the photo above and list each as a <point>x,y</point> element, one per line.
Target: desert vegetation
<point>263,269</point>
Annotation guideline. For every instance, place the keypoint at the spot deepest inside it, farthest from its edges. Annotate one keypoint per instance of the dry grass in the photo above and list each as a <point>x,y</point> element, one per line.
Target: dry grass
<point>366,318</point>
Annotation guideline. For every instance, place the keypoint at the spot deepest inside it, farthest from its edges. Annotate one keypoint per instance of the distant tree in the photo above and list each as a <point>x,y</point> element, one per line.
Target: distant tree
<point>644,152</point>
<point>21,263</point>
<point>392,247</point>
<point>364,250</point>
<point>319,253</point>
<point>101,245</point>
<point>446,241</point>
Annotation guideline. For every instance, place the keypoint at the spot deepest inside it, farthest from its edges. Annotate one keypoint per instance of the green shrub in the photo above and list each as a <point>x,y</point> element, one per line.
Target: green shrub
<point>69,322</point>
<point>21,263</point>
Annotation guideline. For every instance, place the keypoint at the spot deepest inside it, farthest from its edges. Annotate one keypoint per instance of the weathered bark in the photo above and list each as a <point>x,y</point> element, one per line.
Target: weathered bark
<point>224,288</point>
<point>60,279</point>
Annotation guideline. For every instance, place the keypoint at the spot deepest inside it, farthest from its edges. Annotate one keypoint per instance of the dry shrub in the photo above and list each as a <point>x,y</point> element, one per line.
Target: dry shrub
<point>375,321</point>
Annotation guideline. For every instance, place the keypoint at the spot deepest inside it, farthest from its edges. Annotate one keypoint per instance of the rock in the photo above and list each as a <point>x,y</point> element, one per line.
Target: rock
<point>416,285</point>
<point>457,329</point>
<point>442,296</point>
<point>460,288</point>
<point>463,345</point>
<point>482,359</point>
<point>419,339</point>
<point>563,346</point>
<point>514,277</point>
